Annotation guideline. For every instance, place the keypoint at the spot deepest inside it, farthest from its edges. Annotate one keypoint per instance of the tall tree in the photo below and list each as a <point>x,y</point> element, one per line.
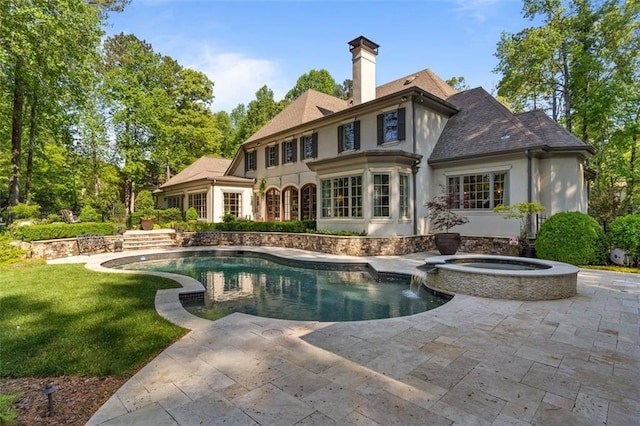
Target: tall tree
<point>258,113</point>
<point>458,83</point>
<point>319,80</point>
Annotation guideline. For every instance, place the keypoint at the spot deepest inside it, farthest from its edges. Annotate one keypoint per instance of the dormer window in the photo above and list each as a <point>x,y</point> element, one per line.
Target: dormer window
<point>391,126</point>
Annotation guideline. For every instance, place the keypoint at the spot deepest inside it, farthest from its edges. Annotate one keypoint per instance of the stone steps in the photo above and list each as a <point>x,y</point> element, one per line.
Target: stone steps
<point>138,240</point>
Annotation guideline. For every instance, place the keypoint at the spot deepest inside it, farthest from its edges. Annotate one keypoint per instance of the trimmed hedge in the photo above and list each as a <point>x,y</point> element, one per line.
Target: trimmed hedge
<point>54,231</point>
<point>624,232</point>
<point>245,226</point>
<point>572,237</point>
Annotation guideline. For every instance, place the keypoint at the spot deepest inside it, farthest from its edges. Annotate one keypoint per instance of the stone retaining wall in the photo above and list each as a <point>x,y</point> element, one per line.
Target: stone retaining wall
<point>353,246</point>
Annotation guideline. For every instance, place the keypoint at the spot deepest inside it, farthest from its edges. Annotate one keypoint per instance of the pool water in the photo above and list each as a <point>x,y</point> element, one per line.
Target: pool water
<point>266,288</point>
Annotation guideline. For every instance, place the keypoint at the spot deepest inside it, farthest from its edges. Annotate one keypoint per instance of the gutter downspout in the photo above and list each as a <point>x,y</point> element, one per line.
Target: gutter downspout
<point>414,169</point>
<point>529,188</point>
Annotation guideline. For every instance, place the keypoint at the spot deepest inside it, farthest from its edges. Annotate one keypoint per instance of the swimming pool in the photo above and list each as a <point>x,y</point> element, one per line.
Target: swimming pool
<point>271,287</point>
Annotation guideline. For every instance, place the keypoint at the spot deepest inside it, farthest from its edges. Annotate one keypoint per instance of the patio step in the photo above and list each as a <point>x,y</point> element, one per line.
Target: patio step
<point>138,240</point>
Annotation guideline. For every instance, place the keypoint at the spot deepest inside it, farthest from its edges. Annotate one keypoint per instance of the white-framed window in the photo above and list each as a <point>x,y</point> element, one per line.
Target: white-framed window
<point>289,153</point>
<point>482,191</point>
<point>199,202</point>
<point>175,201</point>
<point>381,195</point>
<point>309,146</point>
<point>232,203</point>
<point>404,197</point>
<point>342,197</point>
<point>391,126</point>
<point>271,156</point>
<point>250,160</point>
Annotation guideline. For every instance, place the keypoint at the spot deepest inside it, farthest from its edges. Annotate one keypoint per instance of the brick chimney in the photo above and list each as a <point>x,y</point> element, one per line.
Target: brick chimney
<point>363,53</point>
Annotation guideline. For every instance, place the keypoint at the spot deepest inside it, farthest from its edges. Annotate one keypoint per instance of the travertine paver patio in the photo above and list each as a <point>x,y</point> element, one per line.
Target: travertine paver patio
<point>473,361</point>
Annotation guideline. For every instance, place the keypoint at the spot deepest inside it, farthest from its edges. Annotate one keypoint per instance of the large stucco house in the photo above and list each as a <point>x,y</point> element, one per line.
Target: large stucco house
<point>373,162</point>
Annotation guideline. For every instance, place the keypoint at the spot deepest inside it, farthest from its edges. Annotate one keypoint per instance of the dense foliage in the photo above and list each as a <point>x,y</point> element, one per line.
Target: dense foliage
<point>624,233</point>
<point>246,226</point>
<point>572,237</point>
<point>53,231</point>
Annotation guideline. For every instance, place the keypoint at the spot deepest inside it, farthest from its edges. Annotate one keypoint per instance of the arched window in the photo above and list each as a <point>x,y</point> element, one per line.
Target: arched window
<point>273,205</point>
<point>308,202</point>
<point>290,203</point>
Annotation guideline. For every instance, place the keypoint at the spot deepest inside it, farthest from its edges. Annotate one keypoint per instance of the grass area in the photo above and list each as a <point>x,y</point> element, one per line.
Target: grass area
<point>8,414</point>
<point>63,319</point>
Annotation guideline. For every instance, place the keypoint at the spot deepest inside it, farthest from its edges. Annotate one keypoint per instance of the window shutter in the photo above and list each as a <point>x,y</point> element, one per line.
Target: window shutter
<point>266,156</point>
<point>301,148</point>
<point>380,129</point>
<point>340,136</point>
<point>284,150</point>
<point>276,156</point>
<point>401,124</point>
<point>356,135</point>
<point>246,161</point>
<point>254,154</point>
<point>314,142</point>
<point>294,148</point>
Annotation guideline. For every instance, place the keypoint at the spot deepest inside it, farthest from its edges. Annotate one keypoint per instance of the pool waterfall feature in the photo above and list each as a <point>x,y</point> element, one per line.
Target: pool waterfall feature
<point>498,277</point>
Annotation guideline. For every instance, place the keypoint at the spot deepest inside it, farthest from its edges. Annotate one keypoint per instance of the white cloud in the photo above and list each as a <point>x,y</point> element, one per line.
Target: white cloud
<point>237,76</point>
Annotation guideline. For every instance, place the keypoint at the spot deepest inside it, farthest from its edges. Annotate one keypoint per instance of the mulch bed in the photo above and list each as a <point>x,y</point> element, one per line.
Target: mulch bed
<point>75,401</point>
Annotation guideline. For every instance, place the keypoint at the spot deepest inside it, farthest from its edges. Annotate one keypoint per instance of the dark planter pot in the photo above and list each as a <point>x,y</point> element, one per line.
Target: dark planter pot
<point>448,242</point>
<point>146,224</point>
<point>528,251</point>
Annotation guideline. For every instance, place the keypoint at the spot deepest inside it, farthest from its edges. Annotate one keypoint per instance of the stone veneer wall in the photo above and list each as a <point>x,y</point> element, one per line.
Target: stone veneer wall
<point>353,246</point>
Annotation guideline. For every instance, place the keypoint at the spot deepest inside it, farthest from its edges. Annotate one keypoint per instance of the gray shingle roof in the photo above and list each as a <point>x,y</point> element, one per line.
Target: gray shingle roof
<point>484,126</point>
<point>426,80</point>
<point>307,107</point>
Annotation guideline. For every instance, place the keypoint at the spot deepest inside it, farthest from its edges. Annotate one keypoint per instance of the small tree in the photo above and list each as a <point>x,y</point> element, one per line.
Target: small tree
<point>192,214</point>
<point>441,214</point>
<point>522,211</point>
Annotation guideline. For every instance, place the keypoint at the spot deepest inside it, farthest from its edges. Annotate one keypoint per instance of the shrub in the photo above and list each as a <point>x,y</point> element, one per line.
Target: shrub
<point>118,212</point>
<point>144,200</point>
<point>61,230</point>
<point>170,215</point>
<point>228,217</point>
<point>572,237</point>
<point>245,226</point>
<point>625,234</point>
<point>192,214</point>
<point>54,218</point>
<point>24,211</point>
<point>89,214</point>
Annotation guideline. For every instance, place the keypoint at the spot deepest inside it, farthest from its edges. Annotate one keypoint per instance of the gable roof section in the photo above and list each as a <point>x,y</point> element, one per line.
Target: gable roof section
<point>426,80</point>
<point>203,168</point>
<point>309,106</point>
<point>484,126</point>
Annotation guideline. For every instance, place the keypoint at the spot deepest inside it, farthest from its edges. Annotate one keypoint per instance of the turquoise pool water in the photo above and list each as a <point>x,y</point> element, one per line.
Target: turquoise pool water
<point>316,292</point>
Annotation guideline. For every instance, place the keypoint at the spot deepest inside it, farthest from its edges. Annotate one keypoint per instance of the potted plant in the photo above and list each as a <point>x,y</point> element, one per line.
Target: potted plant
<point>147,219</point>
<point>444,218</point>
<point>522,211</point>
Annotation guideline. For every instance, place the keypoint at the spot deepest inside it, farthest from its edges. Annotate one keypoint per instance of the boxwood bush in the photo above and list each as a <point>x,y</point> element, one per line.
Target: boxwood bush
<point>624,233</point>
<point>88,214</point>
<point>572,237</point>
<point>170,215</point>
<point>53,231</point>
<point>246,226</point>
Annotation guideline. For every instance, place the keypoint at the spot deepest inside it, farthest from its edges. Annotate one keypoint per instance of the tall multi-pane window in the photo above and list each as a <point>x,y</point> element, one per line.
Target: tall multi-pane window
<point>326,198</point>
<point>250,160</point>
<point>349,136</point>
<point>478,191</point>
<point>290,203</point>
<point>273,205</point>
<point>271,153</point>
<point>381,195</point>
<point>232,203</point>
<point>404,197</point>
<point>390,126</point>
<point>309,146</point>
<point>289,152</point>
<point>308,202</point>
<point>199,202</point>
<point>342,197</point>
<point>175,202</point>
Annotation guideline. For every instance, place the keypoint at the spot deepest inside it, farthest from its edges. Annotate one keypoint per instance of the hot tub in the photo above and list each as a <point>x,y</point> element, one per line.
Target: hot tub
<point>499,277</point>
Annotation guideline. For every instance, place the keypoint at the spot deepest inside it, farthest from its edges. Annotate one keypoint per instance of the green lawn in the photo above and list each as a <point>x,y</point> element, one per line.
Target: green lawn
<point>64,319</point>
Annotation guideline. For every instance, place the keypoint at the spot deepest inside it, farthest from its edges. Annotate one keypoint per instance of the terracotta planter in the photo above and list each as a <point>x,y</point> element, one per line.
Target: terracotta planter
<point>448,242</point>
<point>146,224</point>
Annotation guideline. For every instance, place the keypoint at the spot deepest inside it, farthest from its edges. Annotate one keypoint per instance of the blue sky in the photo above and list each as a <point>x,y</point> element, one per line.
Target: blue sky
<point>242,45</point>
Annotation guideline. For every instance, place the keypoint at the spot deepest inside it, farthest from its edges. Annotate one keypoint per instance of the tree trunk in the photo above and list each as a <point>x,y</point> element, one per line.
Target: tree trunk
<point>32,142</point>
<point>16,137</point>
<point>565,83</point>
